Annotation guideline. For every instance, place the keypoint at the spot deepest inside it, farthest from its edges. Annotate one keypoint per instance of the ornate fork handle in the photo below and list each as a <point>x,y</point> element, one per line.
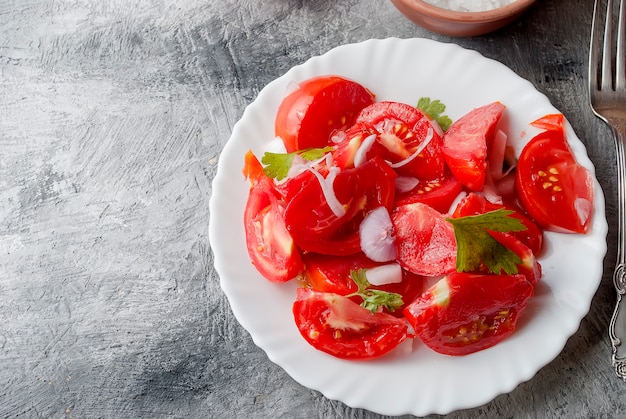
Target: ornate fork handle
<point>618,323</point>
<point>617,326</point>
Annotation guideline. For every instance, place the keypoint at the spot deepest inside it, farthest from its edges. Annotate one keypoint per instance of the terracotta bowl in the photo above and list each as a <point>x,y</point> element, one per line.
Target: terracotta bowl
<point>454,23</point>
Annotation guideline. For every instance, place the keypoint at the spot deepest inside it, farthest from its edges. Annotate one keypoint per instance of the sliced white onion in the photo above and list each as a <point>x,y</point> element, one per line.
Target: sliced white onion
<point>496,155</point>
<point>436,127</point>
<point>299,165</point>
<point>366,145</point>
<point>329,191</point>
<point>377,238</point>
<point>584,208</point>
<point>429,136</point>
<point>338,137</point>
<point>384,274</point>
<point>406,183</point>
<point>491,194</point>
<point>456,202</point>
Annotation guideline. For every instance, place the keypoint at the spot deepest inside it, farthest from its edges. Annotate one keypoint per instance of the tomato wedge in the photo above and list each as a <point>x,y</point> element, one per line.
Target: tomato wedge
<point>438,193</point>
<point>320,105</point>
<point>474,204</point>
<point>270,246</point>
<point>340,327</point>
<point>332,274</point>
<point>554,189</point>
<point>465,144</point>
<point>424,240</point>
<point>551,122</point>
<point>401,129</point>
<point>316,228</point>
<point>465,313</point>
<point>349,145</point>
<point>530,266</point>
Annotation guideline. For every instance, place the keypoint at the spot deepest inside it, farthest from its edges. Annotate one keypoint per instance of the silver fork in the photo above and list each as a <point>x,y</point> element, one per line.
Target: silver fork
<point>607,96</point>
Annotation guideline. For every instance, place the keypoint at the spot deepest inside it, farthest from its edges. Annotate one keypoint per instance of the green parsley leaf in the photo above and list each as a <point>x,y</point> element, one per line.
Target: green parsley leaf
<point>373,298</point>
<point>435,109</point>
<point>475,246</point>
<point>277,164</point>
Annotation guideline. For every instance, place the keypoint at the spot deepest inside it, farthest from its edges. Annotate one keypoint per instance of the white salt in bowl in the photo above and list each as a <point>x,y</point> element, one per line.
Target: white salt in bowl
<point>461,23</point>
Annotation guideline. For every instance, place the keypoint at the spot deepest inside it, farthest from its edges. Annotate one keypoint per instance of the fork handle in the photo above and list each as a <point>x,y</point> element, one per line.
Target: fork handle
<point>617,326</point>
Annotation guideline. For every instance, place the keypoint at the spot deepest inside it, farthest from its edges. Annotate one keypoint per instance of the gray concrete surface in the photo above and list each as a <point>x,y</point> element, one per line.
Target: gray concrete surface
<point>112,118</point>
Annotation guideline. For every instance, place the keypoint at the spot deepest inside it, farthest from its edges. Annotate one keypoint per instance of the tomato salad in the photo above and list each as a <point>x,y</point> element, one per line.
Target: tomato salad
<point>399,223</point>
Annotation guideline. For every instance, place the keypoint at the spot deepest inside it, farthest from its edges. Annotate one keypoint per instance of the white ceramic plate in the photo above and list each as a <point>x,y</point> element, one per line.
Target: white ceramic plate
<point>422,382</point>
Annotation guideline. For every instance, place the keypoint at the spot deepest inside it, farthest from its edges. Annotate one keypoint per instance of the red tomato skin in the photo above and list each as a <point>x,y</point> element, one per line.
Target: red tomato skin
<point>400,129</point>
<point>465,144</point>
<point>438,194</point>
<point>530,266</point>
<point>556,191</point>
<point>332,274</point>
<point>469,312</point>
<point>424,240</point>
<point>551,122</point>
<point>474,204</point>
<point>252,169</point>
<point>342,328</point>
<point>307,117</point>
<point>315,228</point>
<point>269,244</point>
<point>352,139</point>
<point>345,244</point>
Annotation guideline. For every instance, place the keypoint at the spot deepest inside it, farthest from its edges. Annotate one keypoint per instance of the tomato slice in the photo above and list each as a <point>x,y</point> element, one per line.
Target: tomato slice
<point>332,274</point>
<point>554,189</point>
<point>320,105</point>
<point>551,122</point>
<point>424,240</point>
<point>316,228</point>
<point>465,313</point>
<point>400,130</point>
<point>270,246</point>
<point>340,327</point>
<point>474,204</point>
<point>465,144</point>
<point>530,266</point>
<point>437,193</point>
<point>349,145</point>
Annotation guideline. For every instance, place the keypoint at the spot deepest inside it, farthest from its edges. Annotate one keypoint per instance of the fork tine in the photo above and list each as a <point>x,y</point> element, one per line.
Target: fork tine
<point>606,81</point>
<point>593,48</point>
<point>620,59</point>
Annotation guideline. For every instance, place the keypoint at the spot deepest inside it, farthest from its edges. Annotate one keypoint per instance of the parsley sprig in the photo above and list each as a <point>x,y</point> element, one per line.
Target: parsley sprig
<point>475,246</point>
<point>277,164</point>
<point>435,109</point>
<point>373,298</point>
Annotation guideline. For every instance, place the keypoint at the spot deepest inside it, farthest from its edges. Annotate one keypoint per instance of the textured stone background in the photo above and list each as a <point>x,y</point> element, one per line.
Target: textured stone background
<point>112,117</point>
